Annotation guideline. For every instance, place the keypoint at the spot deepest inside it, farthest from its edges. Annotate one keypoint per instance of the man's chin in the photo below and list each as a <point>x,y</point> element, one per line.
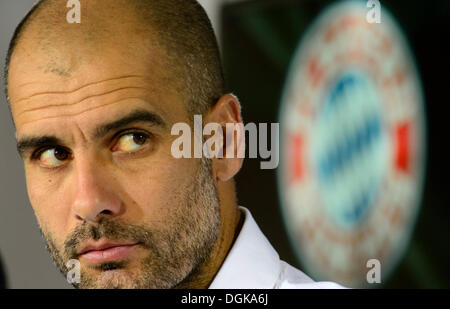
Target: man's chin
<point>120,275</point>
<point>119,278</point>
<point>116,279</point>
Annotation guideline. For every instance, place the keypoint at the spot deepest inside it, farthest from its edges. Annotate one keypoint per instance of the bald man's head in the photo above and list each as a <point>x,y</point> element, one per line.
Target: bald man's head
<point>180,29</point>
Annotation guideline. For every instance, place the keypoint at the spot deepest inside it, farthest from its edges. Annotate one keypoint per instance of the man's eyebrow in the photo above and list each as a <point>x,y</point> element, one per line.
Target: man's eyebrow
<point>33,142</point>
<point>139,115</point>
<point>27,143</point>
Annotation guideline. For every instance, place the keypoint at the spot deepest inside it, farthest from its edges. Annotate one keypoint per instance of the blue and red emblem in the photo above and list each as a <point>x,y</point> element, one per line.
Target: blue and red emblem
<point>352,145</point>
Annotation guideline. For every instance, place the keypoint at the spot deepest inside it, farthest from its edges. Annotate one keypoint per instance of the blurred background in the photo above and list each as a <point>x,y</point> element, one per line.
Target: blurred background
<point>258,40</point>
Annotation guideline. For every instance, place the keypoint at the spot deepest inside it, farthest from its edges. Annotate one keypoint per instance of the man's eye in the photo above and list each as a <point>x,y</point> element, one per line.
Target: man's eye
<point>53,157</point>
<point>131,142</point>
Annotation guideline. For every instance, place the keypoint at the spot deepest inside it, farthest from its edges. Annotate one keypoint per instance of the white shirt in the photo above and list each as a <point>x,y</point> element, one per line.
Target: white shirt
<point>253,263</point>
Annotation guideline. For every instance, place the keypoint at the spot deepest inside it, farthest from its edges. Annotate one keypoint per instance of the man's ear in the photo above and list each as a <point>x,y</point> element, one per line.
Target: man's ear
<point>227,113</point>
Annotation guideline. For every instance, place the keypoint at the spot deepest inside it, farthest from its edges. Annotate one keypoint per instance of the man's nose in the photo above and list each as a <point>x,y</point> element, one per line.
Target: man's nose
<point>94,193</point>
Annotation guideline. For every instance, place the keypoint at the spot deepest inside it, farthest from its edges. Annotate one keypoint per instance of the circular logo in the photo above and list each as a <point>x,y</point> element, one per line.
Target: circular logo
<point>352,145</point>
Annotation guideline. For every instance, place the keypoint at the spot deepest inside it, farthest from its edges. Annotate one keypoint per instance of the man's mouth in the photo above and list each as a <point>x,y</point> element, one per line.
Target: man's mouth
<point>103,252</point>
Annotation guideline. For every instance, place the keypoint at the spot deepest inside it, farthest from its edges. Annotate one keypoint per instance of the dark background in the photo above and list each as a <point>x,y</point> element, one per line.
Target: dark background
<point>258,41</point>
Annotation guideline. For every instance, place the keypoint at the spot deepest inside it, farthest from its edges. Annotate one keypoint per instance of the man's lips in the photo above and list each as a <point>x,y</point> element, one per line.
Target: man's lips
<point>107,252</point>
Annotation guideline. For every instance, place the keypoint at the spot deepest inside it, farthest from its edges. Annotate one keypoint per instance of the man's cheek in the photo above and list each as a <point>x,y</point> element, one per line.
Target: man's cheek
<point>40,187</point>
<point>52,213</point>
<point>153,197</point>
<point>152,180</point>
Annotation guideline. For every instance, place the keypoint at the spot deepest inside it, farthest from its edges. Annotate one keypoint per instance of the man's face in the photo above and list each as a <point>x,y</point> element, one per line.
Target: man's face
<point>96,142</point>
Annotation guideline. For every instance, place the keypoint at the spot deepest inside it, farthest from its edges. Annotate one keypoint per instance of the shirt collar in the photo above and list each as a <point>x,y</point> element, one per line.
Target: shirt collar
<point>252,262</point>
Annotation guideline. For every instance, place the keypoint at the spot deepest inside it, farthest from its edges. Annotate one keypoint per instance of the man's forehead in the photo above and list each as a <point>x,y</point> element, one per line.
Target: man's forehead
<point>42,108</point>
<point>71,67</point>
<point>32,86</point>
<point>63,108</point>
